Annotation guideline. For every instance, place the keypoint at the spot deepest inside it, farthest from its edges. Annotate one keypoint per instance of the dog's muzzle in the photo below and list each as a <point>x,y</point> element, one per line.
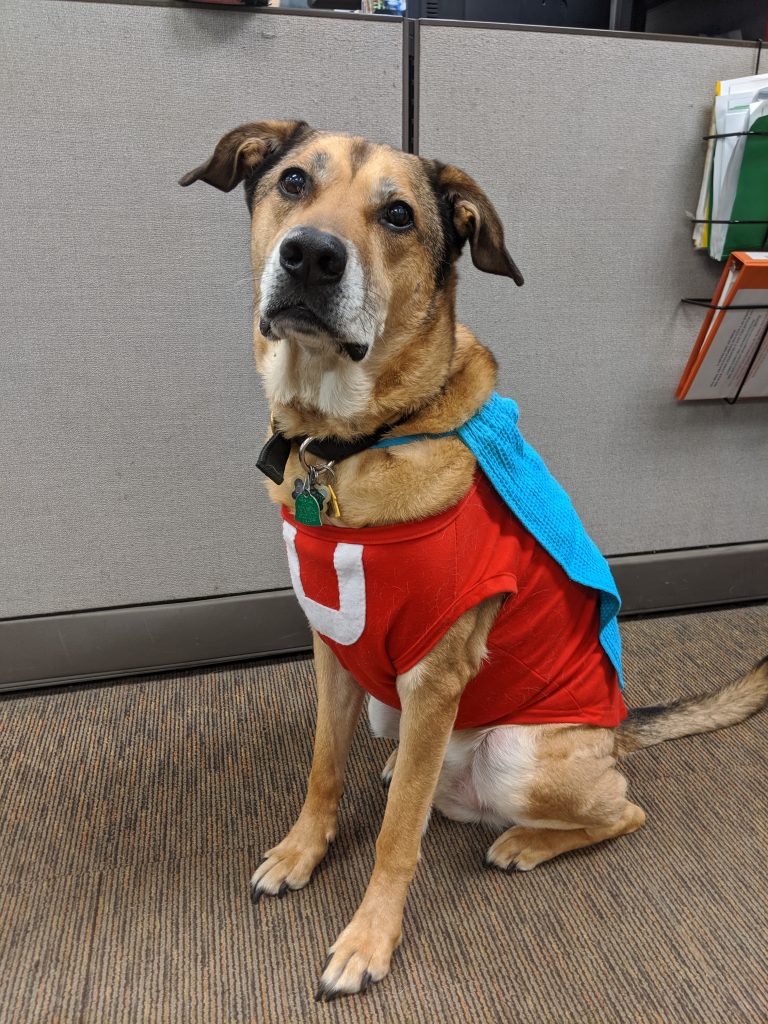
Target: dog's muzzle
<point>309,289</point>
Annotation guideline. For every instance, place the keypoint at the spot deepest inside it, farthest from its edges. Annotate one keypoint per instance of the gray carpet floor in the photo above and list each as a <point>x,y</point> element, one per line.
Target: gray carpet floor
<point>132,815</point>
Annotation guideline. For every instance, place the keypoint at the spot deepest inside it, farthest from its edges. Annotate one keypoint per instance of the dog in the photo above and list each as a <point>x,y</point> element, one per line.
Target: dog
<point>354,248</point>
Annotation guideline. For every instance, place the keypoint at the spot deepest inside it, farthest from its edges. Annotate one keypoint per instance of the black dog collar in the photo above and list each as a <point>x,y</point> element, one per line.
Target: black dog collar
<point>274,455</point>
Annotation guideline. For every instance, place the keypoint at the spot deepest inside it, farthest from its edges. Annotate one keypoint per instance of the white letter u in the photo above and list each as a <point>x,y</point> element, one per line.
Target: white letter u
<point>346,623</point>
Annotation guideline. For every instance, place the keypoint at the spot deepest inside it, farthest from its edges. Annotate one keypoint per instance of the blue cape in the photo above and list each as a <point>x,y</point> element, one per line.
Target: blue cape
<point>519,475</point>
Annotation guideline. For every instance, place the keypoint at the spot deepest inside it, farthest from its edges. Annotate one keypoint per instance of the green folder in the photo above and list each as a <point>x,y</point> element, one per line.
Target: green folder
<point>751,202</point>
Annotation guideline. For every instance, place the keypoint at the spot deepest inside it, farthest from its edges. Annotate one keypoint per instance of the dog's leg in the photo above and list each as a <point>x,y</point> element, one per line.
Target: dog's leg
<point>339,702</point>
<point>385,724</point>
<point>575,797</point>
<point>429,696</point>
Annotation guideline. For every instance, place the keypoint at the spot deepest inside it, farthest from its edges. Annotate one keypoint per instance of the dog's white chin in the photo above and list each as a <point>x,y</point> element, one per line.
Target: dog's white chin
<point>313,372</point>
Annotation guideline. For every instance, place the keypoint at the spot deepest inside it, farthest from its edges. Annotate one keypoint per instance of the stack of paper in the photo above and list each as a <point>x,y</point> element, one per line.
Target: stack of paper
<point>730,357</point>
<point>735,182</point>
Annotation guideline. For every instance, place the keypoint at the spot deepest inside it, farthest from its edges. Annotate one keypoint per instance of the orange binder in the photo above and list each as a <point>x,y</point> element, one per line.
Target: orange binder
<point>730,357</point>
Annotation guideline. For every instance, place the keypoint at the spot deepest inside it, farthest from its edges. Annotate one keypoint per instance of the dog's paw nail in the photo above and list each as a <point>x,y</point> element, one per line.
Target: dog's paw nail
<point>510,869</point>
<point>256,893</point>
<point>494,864</point>
<point>325,994</point>
<point>281,892</point>
<point>365,982</point>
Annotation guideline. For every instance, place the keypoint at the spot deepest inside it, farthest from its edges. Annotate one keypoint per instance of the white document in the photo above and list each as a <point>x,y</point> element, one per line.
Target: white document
<point>739,334</point>
<point>702,208</point>
<point>756,385</point>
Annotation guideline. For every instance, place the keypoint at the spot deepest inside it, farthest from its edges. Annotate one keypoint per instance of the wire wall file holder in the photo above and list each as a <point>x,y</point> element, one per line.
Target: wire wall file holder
<point>708,220</point>
<point>708,304</point>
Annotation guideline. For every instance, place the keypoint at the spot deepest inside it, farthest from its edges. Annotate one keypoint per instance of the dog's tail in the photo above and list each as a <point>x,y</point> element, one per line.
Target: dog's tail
<point>732,703</point>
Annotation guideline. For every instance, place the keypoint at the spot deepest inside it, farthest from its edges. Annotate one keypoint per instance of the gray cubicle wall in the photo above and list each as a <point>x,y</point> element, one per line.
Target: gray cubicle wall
<point>134,530</point>
<point>130,409</point>
<point>590,147</point>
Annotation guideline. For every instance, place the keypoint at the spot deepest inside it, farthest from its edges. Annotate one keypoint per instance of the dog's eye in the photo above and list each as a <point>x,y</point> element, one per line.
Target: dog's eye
<point>293,181</point>
<point>398,215</point>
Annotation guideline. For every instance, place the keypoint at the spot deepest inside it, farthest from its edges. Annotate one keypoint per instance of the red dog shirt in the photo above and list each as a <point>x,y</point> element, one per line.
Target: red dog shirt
<point>381,597</point>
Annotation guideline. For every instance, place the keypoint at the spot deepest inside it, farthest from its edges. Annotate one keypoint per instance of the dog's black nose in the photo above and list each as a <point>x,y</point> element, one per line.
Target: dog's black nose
<point>313,257</point>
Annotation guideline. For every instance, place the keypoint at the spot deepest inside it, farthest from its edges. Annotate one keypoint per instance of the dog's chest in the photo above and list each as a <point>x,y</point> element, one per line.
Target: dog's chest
<point>379,591</point>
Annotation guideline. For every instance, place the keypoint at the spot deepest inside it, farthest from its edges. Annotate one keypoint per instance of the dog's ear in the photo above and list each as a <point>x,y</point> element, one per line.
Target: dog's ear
<point>476,221</point>
<point>243,149</point>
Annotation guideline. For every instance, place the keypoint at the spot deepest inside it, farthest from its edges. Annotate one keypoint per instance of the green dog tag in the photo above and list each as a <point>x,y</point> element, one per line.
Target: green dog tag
<point>308,510</point>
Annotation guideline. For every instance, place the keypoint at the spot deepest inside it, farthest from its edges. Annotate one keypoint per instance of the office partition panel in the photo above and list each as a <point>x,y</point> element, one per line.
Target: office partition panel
<point>590,147</point>
<point>130,409</point>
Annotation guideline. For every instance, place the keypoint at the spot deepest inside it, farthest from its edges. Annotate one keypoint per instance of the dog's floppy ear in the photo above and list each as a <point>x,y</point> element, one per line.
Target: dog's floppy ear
<point>244,148</point>
<point>476,221</point>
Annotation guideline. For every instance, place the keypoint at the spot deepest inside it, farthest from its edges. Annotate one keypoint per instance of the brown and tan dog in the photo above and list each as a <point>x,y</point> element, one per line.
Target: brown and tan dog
<point>354,247</point>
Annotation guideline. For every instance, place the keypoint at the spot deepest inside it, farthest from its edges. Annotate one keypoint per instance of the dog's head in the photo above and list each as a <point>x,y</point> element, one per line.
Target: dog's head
<point>352,243</point>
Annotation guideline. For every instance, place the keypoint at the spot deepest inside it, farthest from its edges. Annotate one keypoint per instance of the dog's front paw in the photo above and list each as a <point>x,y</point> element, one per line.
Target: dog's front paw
<point>359,956</point>
<point>290,864</point>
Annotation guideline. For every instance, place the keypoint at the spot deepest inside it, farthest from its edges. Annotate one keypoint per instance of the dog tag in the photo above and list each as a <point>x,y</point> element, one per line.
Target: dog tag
<point>326,499</point>
<point>308,509</point>
<point>333,503</point>
<point>311,497</point>
<point>298,488</point>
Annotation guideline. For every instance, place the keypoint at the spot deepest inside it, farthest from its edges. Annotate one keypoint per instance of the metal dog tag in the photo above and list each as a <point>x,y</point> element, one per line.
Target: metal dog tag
<point>308,500</point>
<point>308,509</point>
<point>309,495</point>
<point>333,503</point>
